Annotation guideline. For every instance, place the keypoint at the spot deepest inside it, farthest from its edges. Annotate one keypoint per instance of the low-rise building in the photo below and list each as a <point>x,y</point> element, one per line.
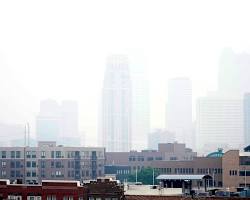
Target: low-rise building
<point>49,161</point>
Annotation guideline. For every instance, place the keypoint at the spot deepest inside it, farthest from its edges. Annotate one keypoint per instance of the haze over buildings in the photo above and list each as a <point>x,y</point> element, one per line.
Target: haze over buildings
<point>58,122</point>
<point>61,55</point>
<point>179,110</point>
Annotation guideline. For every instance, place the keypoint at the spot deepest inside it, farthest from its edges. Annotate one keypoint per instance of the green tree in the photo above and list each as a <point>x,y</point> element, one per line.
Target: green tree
<point>145,176</point>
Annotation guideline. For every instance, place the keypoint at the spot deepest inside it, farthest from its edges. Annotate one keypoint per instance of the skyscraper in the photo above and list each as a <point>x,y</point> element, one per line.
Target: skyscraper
<point>234,70</point>
<point>179,110</point>
<point>116,105</point>
<point>219,123</point>
<point>140,107</point>
<point>247,119</point>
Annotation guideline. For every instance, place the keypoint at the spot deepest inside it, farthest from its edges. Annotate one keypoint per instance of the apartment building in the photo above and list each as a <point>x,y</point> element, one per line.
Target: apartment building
<point>49,161</point>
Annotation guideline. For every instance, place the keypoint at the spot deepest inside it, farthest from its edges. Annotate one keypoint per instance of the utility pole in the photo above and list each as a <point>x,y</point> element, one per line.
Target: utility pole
<point>136,175</point>
<point>153,176</point>
<point>245,178</point>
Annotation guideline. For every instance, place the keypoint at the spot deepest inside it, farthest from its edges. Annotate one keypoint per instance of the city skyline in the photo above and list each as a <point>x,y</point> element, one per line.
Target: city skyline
<point>61,54</point>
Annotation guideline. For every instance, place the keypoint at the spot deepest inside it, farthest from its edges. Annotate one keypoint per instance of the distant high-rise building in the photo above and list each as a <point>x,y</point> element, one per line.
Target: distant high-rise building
<point>247,119</point>
<point>116,105</point>
<point>58,122</point>
<point>48,121</point>
<point>219,123</point>
<point>11,132</point>
<point>234,70</point>
<point>179,110</point>
<point>158,136</point>
<point>69,123</point>
<point>140,107</point>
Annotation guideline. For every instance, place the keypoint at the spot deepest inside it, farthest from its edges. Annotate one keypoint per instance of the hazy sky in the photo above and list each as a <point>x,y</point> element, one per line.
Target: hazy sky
<point>57,49</point>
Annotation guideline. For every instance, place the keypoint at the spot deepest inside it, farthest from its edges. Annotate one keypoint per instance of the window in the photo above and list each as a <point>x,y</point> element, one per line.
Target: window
<point>52,154</point>
<point>28,174</point>
<point>52,164</point>
<point>28,154</point>
<point>13,197</point>
<point>33,154</point>
<point>3,164</point>
<point>33,163</point>
<point>58,154</point>
<point>33,174</point>
<point>12,173</point>
<point>43,154</point>
<point>18,154</point>
<point>158,158</point>
<point>67,198</point>
<point>173,158</point>
<point>18,164</point>
<point>43,164</point>
<point>3,154</point>
<point>58,164</point>
<point>3,173</point>
<point>51,197</point>
<point>12,154</point>
<point>12,164</point>
<point>244,173</point>
<point>150,158</point>
<point>58,173</point>
<point>28,164</point>
<point>18,174</point>
<point>43,174</point>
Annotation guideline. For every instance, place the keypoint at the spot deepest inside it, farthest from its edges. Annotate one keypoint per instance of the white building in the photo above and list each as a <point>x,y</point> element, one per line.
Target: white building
<point>116,105</point>
<point>219,123</point>
<point>179,110</point>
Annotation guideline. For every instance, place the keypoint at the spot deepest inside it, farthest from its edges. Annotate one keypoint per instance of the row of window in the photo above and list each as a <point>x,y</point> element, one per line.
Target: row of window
<point>141,158</point>
<point>49,197</point>
<point>54,154</point>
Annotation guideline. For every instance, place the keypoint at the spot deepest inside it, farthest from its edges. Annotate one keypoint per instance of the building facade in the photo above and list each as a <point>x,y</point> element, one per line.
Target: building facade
<point>49,161</point>
<point>219,123</point>
<point>116,108</point>
<point>179,110</point>
<point>136,160</point>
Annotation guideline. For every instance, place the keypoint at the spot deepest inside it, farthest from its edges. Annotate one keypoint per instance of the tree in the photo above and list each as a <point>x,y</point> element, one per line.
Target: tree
<point>145,176</point>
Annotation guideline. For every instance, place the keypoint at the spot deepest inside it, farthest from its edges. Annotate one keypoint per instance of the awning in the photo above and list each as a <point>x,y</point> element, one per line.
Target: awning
<point>183,177</point>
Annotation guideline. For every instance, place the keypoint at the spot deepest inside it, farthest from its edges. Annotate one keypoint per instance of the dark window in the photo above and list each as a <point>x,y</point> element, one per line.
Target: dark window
<point>12,173</point>
<point>28,164</point>
<point>58,165</point>
<point>12,154</point>
<point>33,164</point>
<point>43,164</point>
<point>58,154</point>
<point>150,158</point>
<point>244,173</point>
<point>12,164</point>
<point>18,164</point>
<point>18,154</point>
<point>3,154</point>
<point>18,174</point>
<point>52,163</point>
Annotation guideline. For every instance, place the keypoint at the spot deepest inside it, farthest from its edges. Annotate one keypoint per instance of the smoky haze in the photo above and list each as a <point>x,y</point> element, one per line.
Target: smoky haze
<point>58,50</point>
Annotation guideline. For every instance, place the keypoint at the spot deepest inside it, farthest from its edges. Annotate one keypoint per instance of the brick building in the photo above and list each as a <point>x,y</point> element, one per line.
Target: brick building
<point>62,190</point>
<point>49,161</point>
